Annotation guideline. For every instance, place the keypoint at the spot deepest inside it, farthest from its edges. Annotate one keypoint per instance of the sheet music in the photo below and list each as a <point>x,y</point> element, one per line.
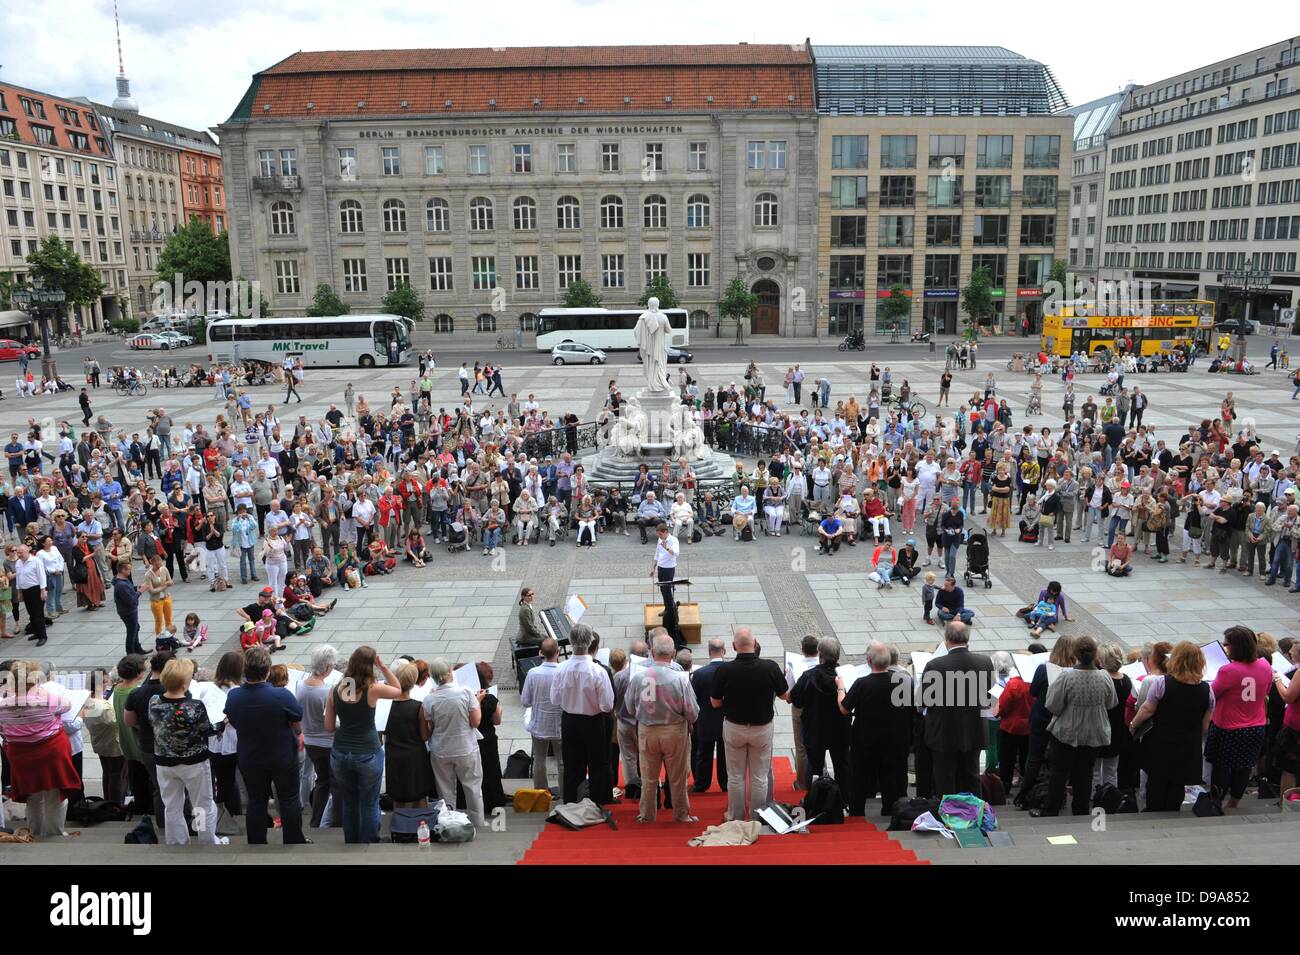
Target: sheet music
<point>71,681</point>
<point>1214,659</point>
<point>1027,664</point>
<point>213,699</point>
<point>603,655</point>
<point>574,608</point>
<point>467,676</point>
<point>1135,671</point>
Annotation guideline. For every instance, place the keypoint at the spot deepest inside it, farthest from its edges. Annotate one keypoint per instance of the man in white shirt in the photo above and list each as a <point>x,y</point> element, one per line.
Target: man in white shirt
<point>363,514</point>
<point>29,581</point>
<point>927,476</point>
<point>583,691</point>
<point>664,569</point>
<point>542,717</point>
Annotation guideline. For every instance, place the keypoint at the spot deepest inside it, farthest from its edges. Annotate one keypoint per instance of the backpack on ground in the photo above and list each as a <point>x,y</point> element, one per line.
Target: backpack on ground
<point>404,824</point>
<point>747,533</point>
<point>992,790</point>
<point>532,800</point>
<point>905,811</point>
<point>91,812</point>
<point>519,765</point>
<point>1035,798</point>
<point>580,815</point>
<point>1107,797</point>
<point>824,805</point>
<point>143,834</point>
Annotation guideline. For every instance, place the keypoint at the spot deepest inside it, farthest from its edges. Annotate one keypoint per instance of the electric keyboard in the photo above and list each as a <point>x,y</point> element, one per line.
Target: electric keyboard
<point>557,624</point>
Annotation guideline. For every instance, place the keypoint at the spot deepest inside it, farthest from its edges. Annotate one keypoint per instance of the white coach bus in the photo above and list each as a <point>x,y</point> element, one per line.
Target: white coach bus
<point>609,329</point>
<point>365,340</point>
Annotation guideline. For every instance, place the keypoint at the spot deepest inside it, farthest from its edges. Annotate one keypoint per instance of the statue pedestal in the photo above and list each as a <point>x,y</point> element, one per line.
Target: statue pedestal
<point>658,408</point>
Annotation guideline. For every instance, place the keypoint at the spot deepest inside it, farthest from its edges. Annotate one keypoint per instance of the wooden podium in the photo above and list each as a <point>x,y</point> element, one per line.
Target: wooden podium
<point>688,620</point>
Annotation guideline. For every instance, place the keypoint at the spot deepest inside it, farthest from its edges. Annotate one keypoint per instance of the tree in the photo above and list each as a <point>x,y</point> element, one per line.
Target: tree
<point>897,307</point>
<point>660,287</point>
<point>7,286</point>
<point>58,266</point>
<point>738,303</point>
<point>404,302</point>
<point>327,303</point>
<point>580,294</point>
<point>977,302</point>
<point>196,254</point>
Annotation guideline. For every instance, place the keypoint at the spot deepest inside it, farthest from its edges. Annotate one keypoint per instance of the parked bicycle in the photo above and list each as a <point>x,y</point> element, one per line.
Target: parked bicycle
<point>505,343</point>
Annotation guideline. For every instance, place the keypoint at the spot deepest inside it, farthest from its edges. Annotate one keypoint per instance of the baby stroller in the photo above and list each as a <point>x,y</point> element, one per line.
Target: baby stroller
<point>457,537</point>
<point>1035,405</point>
<point>809,518</point>
<point>977,559</point>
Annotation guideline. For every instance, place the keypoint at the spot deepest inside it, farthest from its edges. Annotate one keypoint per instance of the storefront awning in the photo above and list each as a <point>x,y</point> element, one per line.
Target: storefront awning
<point>12,318</point>
<point>1178,286</point>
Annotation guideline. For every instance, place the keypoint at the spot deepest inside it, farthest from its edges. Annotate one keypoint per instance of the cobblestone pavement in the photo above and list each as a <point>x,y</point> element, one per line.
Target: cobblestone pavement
<point>461,606</point>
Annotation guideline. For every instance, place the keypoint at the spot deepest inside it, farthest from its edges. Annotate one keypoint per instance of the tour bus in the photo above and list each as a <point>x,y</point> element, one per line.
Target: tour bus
<point>1156,327</point>
<point>365,340</point>
<point>608,329</point>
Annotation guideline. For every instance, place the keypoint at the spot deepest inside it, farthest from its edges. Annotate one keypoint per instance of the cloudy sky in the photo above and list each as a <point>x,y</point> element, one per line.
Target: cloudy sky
<point>191,60</point>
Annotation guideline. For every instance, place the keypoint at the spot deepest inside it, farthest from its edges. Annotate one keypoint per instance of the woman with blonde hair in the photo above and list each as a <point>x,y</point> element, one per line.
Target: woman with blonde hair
<point>1000,492</point>
<point>1178,708</point>
<point>406,761</point>
<point>180,739</point>
<point>587,514</point>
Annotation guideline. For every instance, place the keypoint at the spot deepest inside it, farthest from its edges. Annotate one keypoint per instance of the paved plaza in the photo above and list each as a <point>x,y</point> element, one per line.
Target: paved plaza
<point>461,606</point>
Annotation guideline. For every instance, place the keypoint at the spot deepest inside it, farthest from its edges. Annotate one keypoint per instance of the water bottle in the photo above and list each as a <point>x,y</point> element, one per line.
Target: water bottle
<point>424,835</point>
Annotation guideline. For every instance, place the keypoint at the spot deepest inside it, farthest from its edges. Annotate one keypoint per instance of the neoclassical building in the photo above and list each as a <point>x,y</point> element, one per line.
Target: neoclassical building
<point>489,179</point>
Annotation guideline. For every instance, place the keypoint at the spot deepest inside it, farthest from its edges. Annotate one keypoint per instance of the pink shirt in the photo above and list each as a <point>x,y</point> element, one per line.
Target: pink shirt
<point>39,716</point>
<point>1241,694</point>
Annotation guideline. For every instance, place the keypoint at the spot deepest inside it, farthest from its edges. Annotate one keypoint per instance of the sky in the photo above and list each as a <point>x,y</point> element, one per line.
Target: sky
<point>190,62</point>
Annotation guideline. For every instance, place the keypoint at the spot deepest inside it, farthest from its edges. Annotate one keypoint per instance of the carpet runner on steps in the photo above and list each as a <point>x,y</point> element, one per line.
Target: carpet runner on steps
<point>663,842</point>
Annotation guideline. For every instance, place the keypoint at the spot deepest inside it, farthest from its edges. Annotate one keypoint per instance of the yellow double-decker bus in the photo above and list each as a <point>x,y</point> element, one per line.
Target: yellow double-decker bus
<point>1155,327</point>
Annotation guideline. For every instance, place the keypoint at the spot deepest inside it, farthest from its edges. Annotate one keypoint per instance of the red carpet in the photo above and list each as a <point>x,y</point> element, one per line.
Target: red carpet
<point>857,842</point>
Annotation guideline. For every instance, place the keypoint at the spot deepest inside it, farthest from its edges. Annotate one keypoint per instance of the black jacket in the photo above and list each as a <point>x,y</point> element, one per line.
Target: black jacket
<point>818,697</point>
<point>952,718</point>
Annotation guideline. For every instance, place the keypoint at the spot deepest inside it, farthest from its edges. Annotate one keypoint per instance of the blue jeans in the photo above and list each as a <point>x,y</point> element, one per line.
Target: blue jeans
<point>950,557</point>
<point>968,490</point>
<point>1092,517</point>
<point>1117,524</point>
<point>1036,619</point>
<point>53,594</point>
<point>1296,392</point>
<point>359,776</point>
<point>1281,565</point>
<point>492,539</point>
<point>165,446</point>
<point>247,565</point>
<point>965,615</point>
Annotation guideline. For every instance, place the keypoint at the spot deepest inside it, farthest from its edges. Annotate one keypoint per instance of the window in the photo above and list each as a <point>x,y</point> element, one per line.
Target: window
<point>993,152</point>
<point>848,192</point>
<point>756,154</point>
<point>766,211</point>
<point>478,160</point>
<point>611,212</point>
<point>347,163</point>
<point>945,191</point>
<point>898,152</point>
<point>398,271</point>
<point>525,214</point>
<point>568,213</point>
<point>288,162</point>
<point>1039,192</point>
<point>697,270</point>
<point>435,162</point>
<point>848,232</point>
<point>653,161</point>
<point>440,273</point>
<point>523,157</point>
<point>654,213</point>
<point>697,212</point>
<point>849,152</point>
<point>992,192</point>
<point>392,160</point>
<point>697,157</point>
<point>1042,152</point>
<point>480,214</point>
<point>893,270</point>
<point>896,231</point>
<point>566,157</point>
<point>437,216</point>
<point>947,152</point>
<point>354,275</point>
<point>699,318</point>
<point>1034,270</point>
<point>995,265</point>
<point>656,266</point>
<point>483,270</point>
<point>942,271</point>
<point>897,191</point>
<point>394,215</point>
<point>611,271</point>
<point>486,322</point>
<point>568,269</point>
<point>443,324</point>
<point>528,322</point>
<point>350,219</point>
<point>526,275</point>
<point>991,230</point>
<point>1037,230</point>
<point>776,154</point>
<point>266,163</point>
<point>286,276</point>
<point>943,230</point>
<point>282,218</point>
<point>609,157</point>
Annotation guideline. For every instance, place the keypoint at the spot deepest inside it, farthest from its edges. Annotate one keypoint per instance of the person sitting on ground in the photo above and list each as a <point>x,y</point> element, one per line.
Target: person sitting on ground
<point>416,551</point>
<point>883,559</point>
<point>1119,559</point>
<point>381,561</point>
<point>950,603</point>
<point>905,561</point>
<point>1047,609</point>
<point>829,533</point>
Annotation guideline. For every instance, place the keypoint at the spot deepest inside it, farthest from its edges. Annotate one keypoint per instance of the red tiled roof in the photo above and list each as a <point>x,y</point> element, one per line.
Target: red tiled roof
<point>62,133</point>
<point>544,57</point>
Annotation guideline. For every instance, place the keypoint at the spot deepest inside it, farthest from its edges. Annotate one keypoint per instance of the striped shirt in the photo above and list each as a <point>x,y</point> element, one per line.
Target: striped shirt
<point>33,716</point>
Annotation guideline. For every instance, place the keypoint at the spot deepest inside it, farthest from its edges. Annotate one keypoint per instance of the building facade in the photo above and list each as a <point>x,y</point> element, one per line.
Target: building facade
<point>203,187</point>
<point>1093,124</point>
<point>1203,182</point>
<point>488,180</point>
<point>58,177</point>
<point>932,162</point>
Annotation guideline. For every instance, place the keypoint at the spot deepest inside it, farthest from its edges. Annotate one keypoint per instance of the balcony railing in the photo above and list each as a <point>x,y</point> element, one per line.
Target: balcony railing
<point>277,184</point>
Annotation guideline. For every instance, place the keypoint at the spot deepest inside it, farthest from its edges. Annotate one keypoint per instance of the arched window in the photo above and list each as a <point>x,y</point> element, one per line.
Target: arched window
<point>568,213</point>
<point>394,215</point>
<point>697,212</point>
<point>437,216</point>
<point>611,212</point>
<point>525,214</point>
<point>281,218</point>
<point>480,214</point>
<point>443,324</point>
<point>528,322</point>
<point>350,219</point>
<point>699,318</point>
<point>487,322</point>
<point>654,213</point>
<point>766,210</point>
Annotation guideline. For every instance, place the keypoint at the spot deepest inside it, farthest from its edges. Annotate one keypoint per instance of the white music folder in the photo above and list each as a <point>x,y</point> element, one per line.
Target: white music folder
<point>574,608</point>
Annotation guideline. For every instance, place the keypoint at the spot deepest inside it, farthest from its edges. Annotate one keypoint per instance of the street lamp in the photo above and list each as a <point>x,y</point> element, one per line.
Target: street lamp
<point>36,300</point>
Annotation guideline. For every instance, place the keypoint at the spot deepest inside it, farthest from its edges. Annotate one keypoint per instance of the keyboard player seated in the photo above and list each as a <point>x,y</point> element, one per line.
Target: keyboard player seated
<point>532,628</point>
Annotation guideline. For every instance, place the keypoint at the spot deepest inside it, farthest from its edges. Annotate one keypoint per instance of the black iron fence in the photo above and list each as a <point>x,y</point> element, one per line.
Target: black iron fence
<point>746,438</point>
<point>575,439</point>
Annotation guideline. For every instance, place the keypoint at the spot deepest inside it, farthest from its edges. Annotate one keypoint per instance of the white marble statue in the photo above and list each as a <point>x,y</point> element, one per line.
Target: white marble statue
<point>628,429</point>
<point>652,333</point>
<point>688,437</point>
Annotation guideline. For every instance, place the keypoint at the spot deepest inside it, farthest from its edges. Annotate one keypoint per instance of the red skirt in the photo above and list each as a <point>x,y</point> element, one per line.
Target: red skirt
<point>40,766</point>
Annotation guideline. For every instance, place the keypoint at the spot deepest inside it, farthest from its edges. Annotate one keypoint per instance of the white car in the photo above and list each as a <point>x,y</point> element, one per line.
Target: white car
<point>576,353</point>
<point>150,340</point>
<point>176,339</point>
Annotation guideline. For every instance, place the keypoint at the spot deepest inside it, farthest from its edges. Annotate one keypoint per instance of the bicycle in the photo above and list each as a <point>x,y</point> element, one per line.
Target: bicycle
<point>126,389</point>
<point>505,343</point>
<point>913,407</point>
